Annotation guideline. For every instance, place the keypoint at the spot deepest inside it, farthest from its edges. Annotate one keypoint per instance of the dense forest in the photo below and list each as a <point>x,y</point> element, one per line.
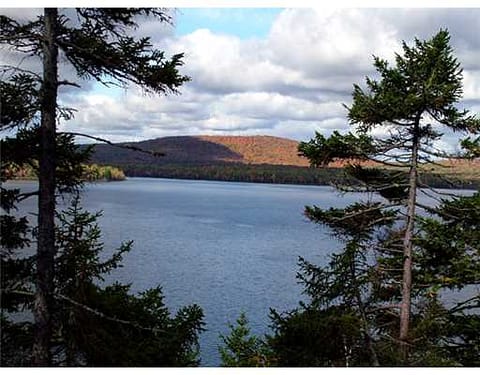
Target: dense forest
<point>376,302</point>
<point>284,174</point>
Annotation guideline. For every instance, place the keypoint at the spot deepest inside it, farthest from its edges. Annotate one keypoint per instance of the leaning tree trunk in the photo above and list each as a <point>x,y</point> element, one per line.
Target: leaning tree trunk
<point>408,246</point>
<point>42,310</point>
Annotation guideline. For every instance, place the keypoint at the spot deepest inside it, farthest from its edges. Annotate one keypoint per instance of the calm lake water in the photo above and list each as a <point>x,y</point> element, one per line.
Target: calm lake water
<point>229,247</point>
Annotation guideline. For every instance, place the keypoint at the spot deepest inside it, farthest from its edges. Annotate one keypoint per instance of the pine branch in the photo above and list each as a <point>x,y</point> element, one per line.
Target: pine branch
<point>443,155</point>
<point>389,249</point>
<point>6,68</point>
<point>355,214</point>
<point>112,319</point>
<point>404,124</point>
<point>23,196</point>
<point>384,307</point>
<point>68,83</point>
<point>90,310</point>
<point>425,188</point>
<point>103,140</point>
<point>465,305</point>
<point>384,162</point>
<point>435,211</point>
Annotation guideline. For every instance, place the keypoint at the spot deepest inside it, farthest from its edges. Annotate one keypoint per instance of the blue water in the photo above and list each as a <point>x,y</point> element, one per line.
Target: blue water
<point>229,247</point>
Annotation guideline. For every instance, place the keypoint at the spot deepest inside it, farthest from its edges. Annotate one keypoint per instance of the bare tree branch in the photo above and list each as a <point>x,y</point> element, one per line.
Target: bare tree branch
<point>102,315</point>
<point>68,83</point>
<point>90,310</point>
<point>103,140</point>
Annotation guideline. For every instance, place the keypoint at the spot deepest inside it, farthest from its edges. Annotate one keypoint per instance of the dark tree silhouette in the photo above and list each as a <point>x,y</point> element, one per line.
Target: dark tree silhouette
<point>98,43</point>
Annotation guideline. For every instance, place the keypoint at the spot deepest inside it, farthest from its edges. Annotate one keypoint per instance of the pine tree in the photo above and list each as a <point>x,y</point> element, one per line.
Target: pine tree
<point>242,349</point>
<point>410,102</point>
<point>99,45</point>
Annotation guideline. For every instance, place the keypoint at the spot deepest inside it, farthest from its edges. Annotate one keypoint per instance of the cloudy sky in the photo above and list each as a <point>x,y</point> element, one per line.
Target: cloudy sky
<point>282,72</point>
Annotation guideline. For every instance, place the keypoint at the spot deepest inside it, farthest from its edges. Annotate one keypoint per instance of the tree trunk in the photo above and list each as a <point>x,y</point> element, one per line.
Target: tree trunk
<point>361,307</point>
<point>408,246</point>
<point>42,310</point>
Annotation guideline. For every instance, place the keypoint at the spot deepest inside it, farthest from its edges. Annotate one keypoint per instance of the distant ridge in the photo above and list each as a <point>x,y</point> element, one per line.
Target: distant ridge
<point>206,150</point>
<point>258,158</point>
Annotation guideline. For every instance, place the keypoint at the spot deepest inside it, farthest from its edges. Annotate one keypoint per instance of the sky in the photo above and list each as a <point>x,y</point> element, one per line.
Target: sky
<point>259,71</point>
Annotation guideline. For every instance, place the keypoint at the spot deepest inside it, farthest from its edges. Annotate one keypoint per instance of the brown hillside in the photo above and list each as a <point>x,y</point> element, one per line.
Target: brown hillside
<point>206,150</point>
<point>212,150</point>
<point>458,168</point>
<point>260,149</point>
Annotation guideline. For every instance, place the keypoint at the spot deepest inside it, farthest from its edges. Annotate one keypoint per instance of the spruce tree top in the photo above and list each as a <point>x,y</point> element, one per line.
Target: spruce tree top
<point>426,80</point>
<point>411,99</point>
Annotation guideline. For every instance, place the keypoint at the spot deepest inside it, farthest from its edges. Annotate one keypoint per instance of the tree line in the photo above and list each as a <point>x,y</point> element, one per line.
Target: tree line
<point>378,302</point>
<point>443,178</point>
<point>91,172</point>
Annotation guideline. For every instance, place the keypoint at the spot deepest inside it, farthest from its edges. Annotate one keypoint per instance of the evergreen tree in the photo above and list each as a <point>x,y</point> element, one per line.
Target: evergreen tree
<point>98,43</point>
<point>242,349</point>
<point>411,102</point>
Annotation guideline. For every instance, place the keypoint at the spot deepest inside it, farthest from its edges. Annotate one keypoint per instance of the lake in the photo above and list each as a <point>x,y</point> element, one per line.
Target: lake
<point>229,247</point>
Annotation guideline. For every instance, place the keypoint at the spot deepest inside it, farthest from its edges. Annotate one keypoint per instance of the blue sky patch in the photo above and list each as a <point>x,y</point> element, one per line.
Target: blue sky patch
<point>241,22</point>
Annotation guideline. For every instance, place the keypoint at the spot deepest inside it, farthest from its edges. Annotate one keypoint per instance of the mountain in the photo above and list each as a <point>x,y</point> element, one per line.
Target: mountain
<point>251,159</point>
<point>205,150</point>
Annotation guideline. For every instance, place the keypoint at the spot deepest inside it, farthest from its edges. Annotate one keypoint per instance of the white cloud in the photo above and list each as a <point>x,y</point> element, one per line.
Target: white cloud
<point>265,105</point>
<point>21,14</point>
<point>289,83</point>
<point>471,85</point>
<point>323,42</point>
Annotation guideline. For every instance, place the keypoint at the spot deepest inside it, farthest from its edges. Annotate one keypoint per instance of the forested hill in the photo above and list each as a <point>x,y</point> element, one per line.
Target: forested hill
<point>206,150</point>
<point>226,158</point>
<point>246,158</point>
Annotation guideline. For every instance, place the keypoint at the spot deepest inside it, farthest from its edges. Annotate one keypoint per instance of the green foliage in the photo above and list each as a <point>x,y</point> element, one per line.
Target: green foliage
<point>99,44</point>
<point>20,89</point>
<point>462,338</point>
<point>357,220</point>
<point>277,174</point>
<point>361,282</point>
<point>20,155</point>
<point>155,338</point>
<point>89,172</point>
<point>471,146</point>
<point>90,49</point>
<point>320,338</point>
<point>425,84</point>
<point>242,349</point>
<point>366,280</point>
<point>426,78</point>
<point>94,172</point>
<point>449,255</point>
<point>321,151</point>
<point>16,341</point>
<point>390,184</point>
